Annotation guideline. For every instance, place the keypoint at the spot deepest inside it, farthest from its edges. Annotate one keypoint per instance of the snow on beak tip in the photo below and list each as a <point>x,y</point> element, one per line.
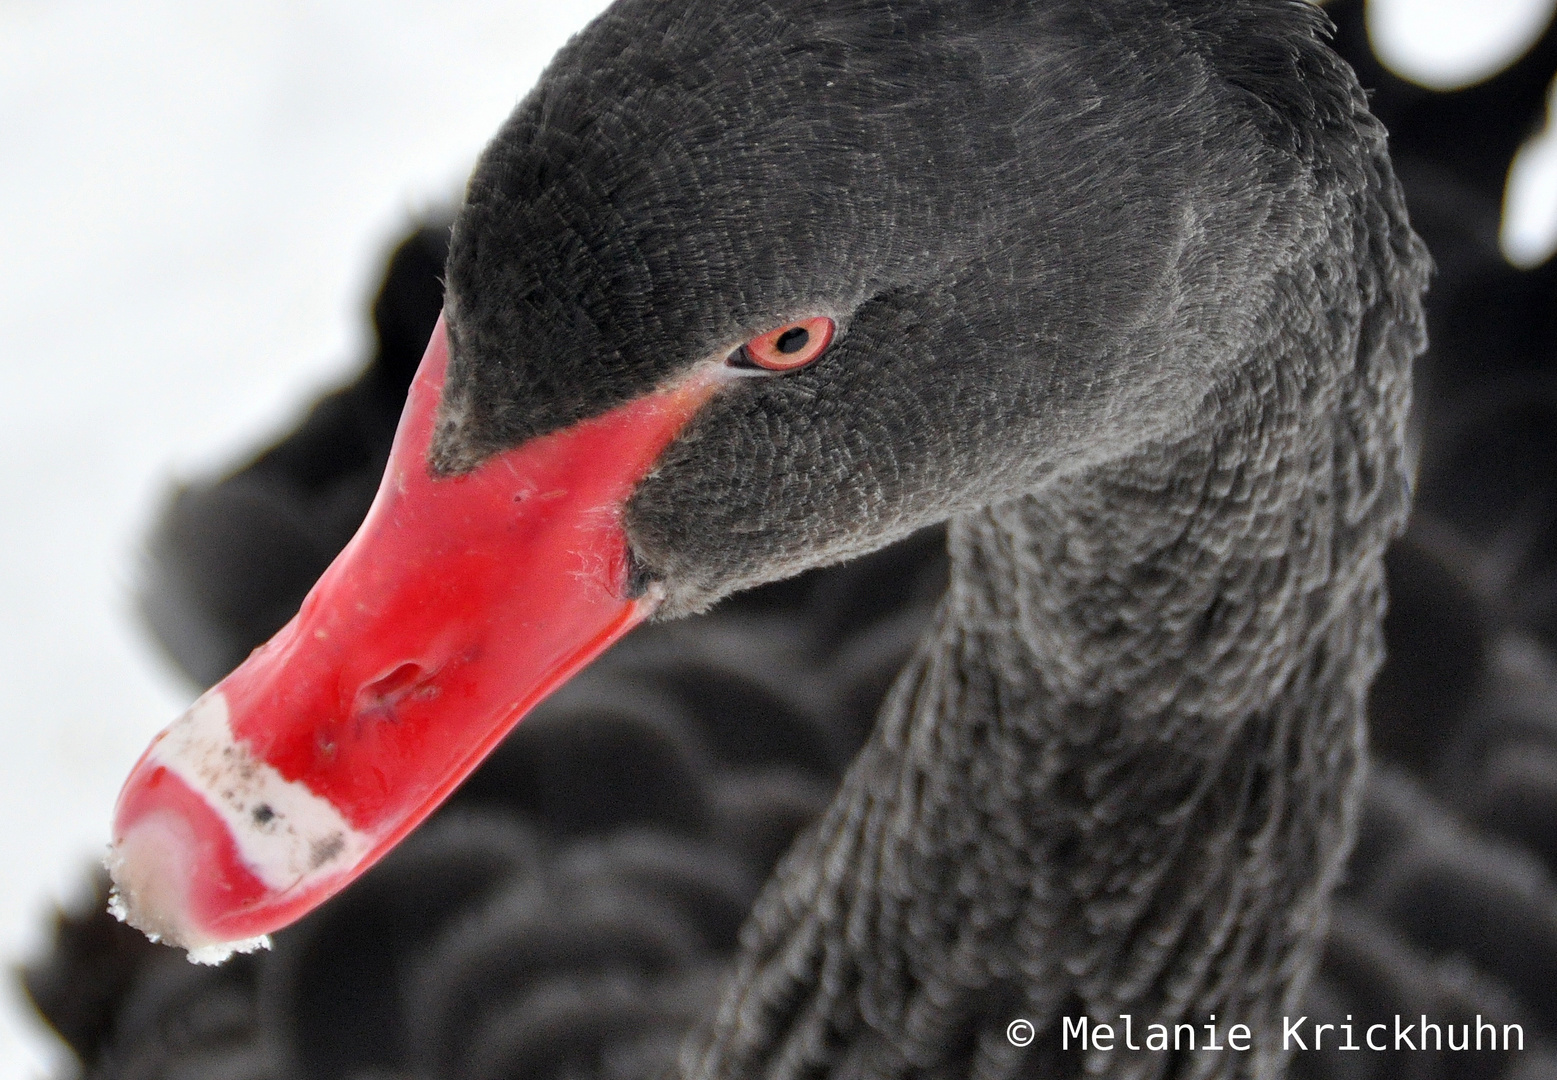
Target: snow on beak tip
<point>203,819</point>
<point>145,897</point>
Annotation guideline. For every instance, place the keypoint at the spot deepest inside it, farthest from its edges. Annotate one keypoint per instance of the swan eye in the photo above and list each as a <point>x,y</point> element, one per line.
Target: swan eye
<point>791,346</point>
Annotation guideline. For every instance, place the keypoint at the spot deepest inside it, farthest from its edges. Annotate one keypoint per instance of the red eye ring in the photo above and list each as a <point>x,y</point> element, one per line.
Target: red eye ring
<point>791,346</point>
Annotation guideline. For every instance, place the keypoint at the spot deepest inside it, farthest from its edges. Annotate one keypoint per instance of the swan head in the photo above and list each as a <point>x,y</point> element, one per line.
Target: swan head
<point>1037,250</point>
<point>740,290</point>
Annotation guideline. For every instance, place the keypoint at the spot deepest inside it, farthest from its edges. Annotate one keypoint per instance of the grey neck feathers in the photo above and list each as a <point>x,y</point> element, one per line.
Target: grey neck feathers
<point>1122,772</point>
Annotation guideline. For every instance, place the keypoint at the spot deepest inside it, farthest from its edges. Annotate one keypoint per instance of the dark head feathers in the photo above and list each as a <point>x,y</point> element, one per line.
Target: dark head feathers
<point>1043,231</point>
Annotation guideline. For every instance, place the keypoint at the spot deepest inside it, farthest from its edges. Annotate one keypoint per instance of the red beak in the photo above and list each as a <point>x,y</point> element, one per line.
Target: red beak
<point>459,604</point>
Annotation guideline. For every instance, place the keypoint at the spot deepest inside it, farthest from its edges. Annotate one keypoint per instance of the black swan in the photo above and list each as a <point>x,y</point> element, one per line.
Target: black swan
<point>393,977</point>
<point>1125,290</point>
<point>1353,936</point>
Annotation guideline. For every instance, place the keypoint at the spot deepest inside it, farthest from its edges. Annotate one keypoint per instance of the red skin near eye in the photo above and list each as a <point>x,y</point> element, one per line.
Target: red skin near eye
<point>791,346</point>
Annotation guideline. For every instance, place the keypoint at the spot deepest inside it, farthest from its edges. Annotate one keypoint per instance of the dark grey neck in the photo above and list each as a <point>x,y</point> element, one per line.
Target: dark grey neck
<point>1122,772</point>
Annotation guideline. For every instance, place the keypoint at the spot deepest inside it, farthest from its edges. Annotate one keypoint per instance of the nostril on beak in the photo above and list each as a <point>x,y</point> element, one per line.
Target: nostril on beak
<point>388,690</point>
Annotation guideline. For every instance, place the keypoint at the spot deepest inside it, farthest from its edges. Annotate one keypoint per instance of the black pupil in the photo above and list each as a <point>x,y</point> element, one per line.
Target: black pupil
<point>793,340</point>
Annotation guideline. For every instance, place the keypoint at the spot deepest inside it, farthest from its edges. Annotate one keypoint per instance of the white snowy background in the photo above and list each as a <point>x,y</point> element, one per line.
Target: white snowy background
<point>195,199</point>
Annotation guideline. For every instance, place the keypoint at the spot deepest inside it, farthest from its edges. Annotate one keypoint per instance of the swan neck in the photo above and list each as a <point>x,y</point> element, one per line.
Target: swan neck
<point>1120,776</point>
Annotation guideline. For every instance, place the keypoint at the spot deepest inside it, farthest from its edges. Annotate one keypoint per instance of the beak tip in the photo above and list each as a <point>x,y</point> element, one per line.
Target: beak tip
<point>150,880</point>
<point>151,870</point>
